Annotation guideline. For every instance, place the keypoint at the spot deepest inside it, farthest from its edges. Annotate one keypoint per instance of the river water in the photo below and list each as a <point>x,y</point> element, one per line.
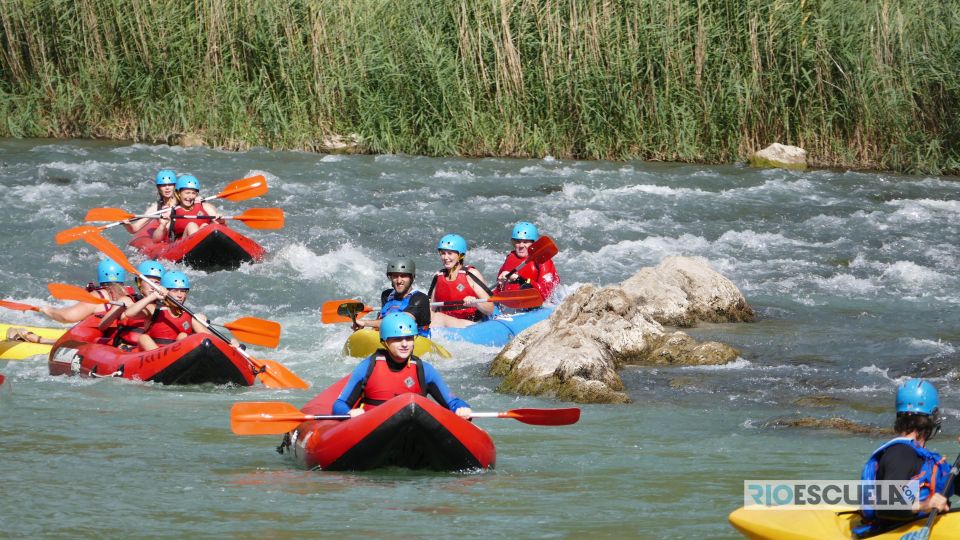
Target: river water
<point>853,276</point>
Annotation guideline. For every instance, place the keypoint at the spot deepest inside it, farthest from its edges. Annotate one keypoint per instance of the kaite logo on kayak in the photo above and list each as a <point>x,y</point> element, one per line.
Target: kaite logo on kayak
<point>820,494</point>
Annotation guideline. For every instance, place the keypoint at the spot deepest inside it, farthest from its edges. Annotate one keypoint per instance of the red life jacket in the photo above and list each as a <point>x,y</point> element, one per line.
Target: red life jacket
<point>383,383</point>
<point>542,277</point>
<point>167,327</point>
<point>455,291</point>
<point>180,225</point>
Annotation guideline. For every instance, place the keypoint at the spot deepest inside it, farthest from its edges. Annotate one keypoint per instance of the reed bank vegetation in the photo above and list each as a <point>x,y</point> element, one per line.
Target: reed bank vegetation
<point>860,84</point>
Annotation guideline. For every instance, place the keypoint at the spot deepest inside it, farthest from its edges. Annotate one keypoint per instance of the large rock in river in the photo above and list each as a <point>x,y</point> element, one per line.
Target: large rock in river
<point>574,354</point>
<point>780,156</point>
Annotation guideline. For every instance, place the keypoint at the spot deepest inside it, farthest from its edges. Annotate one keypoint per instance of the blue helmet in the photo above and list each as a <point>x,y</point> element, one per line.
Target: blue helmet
<point>110,272</point>
<point>166,177</point>
<point>453,242</point>
<point>525,231</point>
<point>188,181</point>
<point>175,280</point>
<point>151,269</point>
<point>917,396</point>
<point>398,324</point>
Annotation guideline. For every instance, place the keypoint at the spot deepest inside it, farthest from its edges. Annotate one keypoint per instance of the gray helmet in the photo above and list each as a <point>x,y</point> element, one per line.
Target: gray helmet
<point>402,266</point>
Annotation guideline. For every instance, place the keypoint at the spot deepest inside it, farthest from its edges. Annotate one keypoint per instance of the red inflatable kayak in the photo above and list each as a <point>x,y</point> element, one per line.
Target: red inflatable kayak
<point>213,247</point>
<point>198,359</point>
<point>410,431</point>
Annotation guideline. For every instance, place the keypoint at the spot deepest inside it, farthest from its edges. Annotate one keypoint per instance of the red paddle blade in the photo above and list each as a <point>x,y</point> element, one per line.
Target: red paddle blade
<point>18,306</point>
<point>544,417</point>
<point>255,331</point>
<point>107,214</point>
<point>243,189</point>
<point>262,218</point>
<point>342,311</point>
<point>518,299</point>
<point>542,250</point>
<point>63,291</point>
<point>265,418</point>
<point>74,234</point>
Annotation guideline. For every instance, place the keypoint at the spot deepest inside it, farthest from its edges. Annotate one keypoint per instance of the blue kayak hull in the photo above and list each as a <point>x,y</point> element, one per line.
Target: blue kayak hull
<point>497,332</point>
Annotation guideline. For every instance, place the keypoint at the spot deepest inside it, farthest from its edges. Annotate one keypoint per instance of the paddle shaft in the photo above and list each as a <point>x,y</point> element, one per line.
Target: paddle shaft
<point>925,532</point>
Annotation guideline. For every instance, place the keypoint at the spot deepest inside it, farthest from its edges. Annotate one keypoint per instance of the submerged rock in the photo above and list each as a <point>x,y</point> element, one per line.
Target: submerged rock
<point>575,353</point>
<point>835,423</point>
<point>780,156</point>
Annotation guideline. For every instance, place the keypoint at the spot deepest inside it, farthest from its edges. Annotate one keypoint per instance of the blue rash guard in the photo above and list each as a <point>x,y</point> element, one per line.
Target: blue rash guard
<point>432,384</point>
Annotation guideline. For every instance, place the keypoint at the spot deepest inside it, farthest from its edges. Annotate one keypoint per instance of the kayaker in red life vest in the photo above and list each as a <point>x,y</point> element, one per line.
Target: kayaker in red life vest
<point>110,276</point>
<point>542,277</point>
<point>167,322</point>
<point>166,198</point>
<point>128,330</point>
<point>458,283</point>
<point>188,189</point>
<point>394,370</point>
<point>906,457</point>
<point>402,297</point>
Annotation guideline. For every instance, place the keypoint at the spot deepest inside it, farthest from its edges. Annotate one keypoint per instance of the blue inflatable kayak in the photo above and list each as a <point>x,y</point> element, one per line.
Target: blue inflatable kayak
<point>497,332</point>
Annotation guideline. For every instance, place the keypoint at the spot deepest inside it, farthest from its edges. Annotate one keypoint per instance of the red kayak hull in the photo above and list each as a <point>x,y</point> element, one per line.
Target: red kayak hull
<point>213,247</point>
<point>198,359</point>
<point>409,431</point>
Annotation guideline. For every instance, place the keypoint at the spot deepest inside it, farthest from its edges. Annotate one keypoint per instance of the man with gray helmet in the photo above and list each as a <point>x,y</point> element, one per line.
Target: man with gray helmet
<point>402,297</point>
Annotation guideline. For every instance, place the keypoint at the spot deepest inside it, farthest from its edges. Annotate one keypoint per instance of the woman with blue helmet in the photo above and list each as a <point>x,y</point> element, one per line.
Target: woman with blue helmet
<point>188,208</point>
<point>110,276</point>
<point>905,457</point>
<point>542,276</point>
<point>166,198</point>
<point>167,322</point>
<point>394,370</point>
<point>129,329</point>
<point>458,283</point>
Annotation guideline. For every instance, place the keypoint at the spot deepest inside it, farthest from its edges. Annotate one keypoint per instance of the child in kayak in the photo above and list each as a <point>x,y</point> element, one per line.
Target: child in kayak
<point>458,283</point>
<point>188,189</point>
<point>126,333</point>
<point>403,297</point>
<point>906,457</point>
<point>166,198</point>
<point>110,276</point>
<point>167,323</point>
<point>394,370</point>
<point>542,277</point>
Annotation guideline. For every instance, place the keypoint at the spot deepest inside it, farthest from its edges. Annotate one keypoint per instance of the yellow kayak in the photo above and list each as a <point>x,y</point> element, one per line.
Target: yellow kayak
<point>365,341</point>
<point>828,524</point>
<point>18,350</point>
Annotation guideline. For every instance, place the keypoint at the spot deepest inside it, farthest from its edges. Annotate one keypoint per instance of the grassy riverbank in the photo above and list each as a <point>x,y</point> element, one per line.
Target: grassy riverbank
<point>858,84</point>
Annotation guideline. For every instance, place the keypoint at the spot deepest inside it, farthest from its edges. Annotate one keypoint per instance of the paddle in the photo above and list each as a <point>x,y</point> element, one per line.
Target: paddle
<point>238,190</point>
<point>924,532</point>
<point>255,218</point>
<point>246,329</point>
<point>340,311</point>
<point>518,299</point>
<point>540,252</point>
<point>272,374</point>
<point>18,306</point>
<point>275,417</point>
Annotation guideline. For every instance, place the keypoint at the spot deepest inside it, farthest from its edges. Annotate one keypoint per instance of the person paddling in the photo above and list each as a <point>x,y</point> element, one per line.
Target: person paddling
<point>542,276</point>
<point>906,457</point>
<point>458,283</point>
<point>166,198</point>
<point>168,323</point>
<point>126,333</point>
<point>110,276</point>
<point>394,370</point>
<point>403,297</point>
<point>188,190</point>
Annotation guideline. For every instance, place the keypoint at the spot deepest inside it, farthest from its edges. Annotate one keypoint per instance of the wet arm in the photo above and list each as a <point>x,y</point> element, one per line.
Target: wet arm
<point>353,390</point>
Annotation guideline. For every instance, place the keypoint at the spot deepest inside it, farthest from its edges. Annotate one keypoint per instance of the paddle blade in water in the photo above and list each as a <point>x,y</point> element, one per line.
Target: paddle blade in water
<point>276,375</point>
<point>107,214</point>
<point>264,418</point>
<point>76,233</point>
<point>243,189</point>
<point>255,331</point>
<point>519,299</point>
<point>262,218</point>
<point>18,306</point>
<point>543,250</point>
<point>63,291</point>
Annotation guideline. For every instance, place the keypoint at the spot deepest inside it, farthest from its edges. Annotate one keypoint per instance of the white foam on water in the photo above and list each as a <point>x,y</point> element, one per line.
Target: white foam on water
<point>61,149</point>
<point>454,174</point>
<point>929,345</point>
<point>913,277</point>
<point>739,363</point>
<point>347,265</point>
<point>845,285</point>
<point>332,158</point>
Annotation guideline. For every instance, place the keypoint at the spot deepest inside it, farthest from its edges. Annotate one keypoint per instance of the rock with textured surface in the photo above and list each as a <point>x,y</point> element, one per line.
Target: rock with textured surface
<point>780,156</point>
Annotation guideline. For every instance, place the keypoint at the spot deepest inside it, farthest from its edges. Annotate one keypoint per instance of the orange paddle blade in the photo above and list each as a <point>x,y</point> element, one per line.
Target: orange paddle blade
<point>107,214</point>
<point>275,375</point>
<point>18,306</point>
<point>262,218</point>
<point>243,189</point>
<point>76,233</point>
<point>63,291</point>
<point>518,299</point>
<point>342,311</point>
<point>109,249</point>
<point>255,331</point>
<point>542,250</point>
<point>270,418</point>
